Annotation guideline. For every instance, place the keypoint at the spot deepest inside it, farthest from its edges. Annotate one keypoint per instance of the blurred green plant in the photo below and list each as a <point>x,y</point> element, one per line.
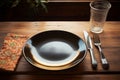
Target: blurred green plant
<point>32,3</point>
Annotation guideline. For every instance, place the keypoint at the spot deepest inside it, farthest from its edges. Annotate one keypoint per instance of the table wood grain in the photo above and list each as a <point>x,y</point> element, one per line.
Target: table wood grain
<point>110,39</point>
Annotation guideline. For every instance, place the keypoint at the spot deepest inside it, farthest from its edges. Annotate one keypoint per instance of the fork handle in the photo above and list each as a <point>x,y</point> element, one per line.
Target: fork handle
<point>104,61</point>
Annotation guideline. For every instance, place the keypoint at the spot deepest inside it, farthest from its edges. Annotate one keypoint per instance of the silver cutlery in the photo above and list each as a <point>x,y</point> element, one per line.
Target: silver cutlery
<point>90,48</point>
<point>97,43</point>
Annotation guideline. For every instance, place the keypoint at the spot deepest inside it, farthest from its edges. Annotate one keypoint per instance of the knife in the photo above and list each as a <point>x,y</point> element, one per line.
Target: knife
<point>90,48</point>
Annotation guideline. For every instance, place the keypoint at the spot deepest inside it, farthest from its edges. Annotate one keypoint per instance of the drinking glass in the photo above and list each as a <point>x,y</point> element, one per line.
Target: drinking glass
<point>98,14</point>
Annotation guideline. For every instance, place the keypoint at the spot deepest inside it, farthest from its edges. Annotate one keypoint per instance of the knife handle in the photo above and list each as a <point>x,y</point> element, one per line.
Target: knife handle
<point>94,62</point>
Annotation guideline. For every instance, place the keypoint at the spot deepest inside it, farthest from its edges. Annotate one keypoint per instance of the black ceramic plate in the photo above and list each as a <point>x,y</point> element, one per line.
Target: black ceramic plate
<point>54,50</point>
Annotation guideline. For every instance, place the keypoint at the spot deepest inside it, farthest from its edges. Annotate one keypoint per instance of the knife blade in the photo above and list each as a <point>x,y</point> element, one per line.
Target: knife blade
<point>90,48</point>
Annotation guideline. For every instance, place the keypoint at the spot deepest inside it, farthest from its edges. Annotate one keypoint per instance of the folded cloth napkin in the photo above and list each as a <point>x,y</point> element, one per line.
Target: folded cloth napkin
<point>11,51</point>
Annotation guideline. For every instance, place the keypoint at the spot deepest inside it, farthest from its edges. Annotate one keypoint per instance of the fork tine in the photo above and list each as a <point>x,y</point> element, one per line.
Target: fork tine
<point>96,38</point>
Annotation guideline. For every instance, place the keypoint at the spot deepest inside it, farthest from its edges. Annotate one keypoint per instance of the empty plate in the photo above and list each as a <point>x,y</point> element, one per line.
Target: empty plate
<point>54,50</point>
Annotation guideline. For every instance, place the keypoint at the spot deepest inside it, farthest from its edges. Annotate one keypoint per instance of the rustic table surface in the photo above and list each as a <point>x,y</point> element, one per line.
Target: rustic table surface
<point>110,39</point>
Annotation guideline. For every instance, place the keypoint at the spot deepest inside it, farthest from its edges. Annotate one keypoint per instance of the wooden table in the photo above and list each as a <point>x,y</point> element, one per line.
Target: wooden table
<point>110,39</point>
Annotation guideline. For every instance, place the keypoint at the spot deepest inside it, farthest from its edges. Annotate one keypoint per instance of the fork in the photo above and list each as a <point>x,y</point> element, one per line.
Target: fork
<point>97,43</point>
